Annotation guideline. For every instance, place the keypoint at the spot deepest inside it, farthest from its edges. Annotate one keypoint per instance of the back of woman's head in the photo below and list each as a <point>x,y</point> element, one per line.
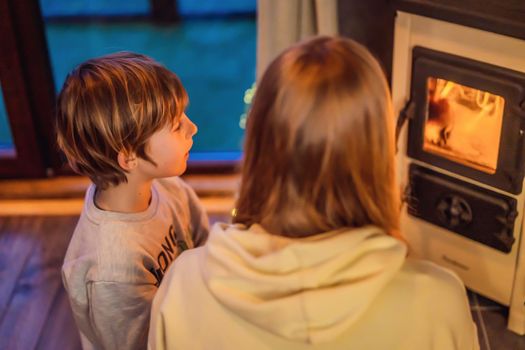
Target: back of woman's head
<point>319,151</point>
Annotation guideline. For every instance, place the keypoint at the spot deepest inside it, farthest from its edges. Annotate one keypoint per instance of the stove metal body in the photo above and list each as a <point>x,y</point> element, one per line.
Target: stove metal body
<point>461,154</point>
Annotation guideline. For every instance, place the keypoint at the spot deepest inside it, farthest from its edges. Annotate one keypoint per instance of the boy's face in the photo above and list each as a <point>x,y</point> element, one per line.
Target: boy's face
<point>169,148</point>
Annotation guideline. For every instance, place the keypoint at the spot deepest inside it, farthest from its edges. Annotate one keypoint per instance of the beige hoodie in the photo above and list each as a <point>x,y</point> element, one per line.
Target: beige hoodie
<point>346,289</point>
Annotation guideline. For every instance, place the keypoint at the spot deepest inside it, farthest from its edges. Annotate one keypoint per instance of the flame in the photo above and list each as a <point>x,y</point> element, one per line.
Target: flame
<point>463,124</point>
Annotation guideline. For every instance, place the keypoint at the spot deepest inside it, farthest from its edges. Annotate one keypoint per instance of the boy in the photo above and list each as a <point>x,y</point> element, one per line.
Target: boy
<point>121,122</point>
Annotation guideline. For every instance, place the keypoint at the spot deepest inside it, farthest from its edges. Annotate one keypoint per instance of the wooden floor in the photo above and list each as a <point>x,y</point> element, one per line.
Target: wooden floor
<point>34,309</point>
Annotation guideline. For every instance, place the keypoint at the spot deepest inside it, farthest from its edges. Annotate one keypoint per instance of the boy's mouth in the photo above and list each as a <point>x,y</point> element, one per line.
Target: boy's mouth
<point>189,149</point>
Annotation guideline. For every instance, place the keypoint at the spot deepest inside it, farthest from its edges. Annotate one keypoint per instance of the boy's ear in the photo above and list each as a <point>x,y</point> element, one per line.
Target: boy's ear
<point>127,161</point>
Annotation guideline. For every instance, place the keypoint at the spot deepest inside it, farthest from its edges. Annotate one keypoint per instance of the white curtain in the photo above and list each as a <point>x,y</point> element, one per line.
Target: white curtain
<point>281,23</point>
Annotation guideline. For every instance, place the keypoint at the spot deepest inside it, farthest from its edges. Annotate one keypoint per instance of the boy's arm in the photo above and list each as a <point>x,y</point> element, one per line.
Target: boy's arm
<point>157,330</point>
<point>119,313</point>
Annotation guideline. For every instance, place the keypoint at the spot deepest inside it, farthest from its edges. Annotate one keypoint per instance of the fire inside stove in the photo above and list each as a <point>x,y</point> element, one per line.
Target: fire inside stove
<point>463,124</point>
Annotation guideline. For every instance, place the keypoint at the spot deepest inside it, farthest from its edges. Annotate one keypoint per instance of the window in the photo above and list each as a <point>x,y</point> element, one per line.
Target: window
<point>211,47</point>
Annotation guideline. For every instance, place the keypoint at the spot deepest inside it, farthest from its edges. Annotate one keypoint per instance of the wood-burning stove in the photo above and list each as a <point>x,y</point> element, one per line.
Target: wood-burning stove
<point>461,160</point>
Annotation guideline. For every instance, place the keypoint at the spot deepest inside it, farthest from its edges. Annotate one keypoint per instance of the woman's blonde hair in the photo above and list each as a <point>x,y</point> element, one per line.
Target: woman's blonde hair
<point>319,150</point>
<point>111,104</point>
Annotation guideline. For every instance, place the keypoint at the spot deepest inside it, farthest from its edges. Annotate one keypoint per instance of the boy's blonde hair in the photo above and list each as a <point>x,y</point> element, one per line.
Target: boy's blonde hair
<point>319,151</point>
<point>111,104</point>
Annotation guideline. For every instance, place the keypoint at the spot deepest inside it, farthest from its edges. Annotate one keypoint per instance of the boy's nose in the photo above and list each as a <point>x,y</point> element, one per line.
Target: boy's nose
<point>193,128</point>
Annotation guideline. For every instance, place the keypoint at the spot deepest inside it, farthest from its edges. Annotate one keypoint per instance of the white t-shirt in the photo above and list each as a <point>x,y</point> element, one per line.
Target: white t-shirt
<point>116,261</point>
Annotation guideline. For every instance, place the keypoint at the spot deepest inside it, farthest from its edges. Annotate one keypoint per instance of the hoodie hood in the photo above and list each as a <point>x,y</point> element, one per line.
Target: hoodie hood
<point>309,289</point>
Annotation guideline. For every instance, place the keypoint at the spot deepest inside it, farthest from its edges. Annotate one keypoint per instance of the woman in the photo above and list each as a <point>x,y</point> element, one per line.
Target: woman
<point>314,259</point>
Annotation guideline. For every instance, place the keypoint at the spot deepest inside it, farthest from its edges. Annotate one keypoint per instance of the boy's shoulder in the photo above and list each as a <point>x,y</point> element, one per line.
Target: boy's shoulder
<point>107,250</point>
<point>94,236</point>
<point>102,234</point>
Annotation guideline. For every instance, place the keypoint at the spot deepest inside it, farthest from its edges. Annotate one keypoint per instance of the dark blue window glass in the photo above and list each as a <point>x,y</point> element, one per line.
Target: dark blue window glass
<point>6,140</point>
<point>212,50</point>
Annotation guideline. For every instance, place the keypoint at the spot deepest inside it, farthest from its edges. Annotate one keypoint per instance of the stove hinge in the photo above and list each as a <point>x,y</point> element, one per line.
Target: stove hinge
<point>505,235</point>
<point>408,198</point>
<point>406,113</point>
